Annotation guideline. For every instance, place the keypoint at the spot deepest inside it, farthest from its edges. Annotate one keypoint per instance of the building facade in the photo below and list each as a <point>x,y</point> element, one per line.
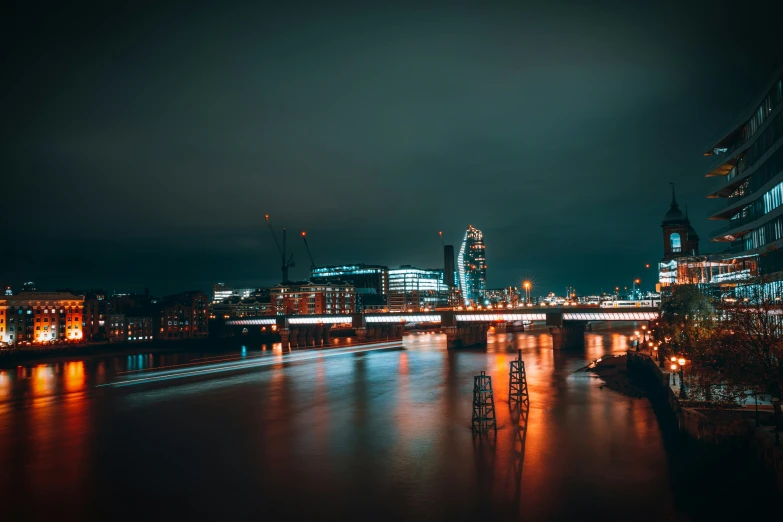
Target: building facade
<point>472,267</point>
<point>41,317</point>
<point>746,167</point>
<point>311,297</point>
<point>370,282</point>
<point>182,316</point>
<point>221,291</point>
<point>256,305</point>
<point>123,328</point>
<point>679,237</point>
<point>96,313</point>
<point>414,289</point>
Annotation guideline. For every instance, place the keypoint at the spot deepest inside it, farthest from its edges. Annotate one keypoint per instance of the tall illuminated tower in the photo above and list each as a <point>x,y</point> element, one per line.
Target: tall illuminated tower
<point>472,267</point>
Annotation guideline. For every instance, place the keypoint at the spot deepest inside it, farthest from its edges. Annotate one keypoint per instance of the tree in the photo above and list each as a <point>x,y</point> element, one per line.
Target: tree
<point>753,351</point>
<point>687,319</point>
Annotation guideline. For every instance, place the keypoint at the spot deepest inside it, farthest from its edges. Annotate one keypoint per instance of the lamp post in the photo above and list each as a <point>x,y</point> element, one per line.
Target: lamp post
<point>673,374</point>
<point>527,286</point>
<point>681,361</point>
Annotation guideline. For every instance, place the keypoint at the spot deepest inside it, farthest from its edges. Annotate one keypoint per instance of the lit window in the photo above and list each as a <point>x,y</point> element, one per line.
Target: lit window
<point>674,241</point>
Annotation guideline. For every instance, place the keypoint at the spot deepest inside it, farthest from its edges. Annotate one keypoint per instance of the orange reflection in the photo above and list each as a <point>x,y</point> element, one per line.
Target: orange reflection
<point>74,376</point>
<point>43,379</point>
<point>5,385</point>
<point>404,363</point>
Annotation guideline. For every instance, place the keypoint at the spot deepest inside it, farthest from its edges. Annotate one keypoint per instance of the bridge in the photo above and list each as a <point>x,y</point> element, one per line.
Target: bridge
<point>462,328</point>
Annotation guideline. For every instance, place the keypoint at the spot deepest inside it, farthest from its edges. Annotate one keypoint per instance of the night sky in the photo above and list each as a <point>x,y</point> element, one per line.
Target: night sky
<point>141,147</point>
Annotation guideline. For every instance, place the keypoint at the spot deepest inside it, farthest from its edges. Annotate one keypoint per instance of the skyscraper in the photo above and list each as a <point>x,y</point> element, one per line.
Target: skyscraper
<point>448,265</point>
<point>472,267</point>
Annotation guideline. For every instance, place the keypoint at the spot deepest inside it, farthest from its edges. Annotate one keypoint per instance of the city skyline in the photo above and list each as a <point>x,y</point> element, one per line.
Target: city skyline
<point>382,127</point>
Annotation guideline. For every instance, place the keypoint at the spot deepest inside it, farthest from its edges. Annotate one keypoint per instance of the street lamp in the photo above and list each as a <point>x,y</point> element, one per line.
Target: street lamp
<point>527,286</point>
<point>673,373</point>
<point>681,362</point>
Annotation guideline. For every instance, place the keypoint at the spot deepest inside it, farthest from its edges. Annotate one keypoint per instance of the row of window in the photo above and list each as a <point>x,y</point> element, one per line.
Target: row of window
<point>766,171</point>
<point>766,233</point>
<point>762,144</point>
<point>774,97</point>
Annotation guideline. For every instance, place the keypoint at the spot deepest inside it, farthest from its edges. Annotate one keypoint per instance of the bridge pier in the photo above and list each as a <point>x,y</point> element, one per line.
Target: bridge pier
<point>379,332</point>
<point>570,335</point>
<point>285,337</point>
<point>466,335</point>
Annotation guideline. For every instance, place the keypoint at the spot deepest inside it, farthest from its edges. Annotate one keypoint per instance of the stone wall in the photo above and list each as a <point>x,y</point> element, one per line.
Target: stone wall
<point>696,424</point>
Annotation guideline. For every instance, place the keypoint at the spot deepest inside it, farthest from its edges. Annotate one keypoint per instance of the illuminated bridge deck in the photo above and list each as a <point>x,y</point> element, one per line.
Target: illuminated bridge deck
<point>547,314</point>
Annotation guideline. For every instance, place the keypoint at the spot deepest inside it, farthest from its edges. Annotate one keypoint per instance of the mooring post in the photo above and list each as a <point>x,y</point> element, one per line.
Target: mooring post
<point>517,381</point>
<point>483,404</point>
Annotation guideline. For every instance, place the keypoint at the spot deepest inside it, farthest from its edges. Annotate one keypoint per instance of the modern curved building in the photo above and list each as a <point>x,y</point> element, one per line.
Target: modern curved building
<point>472,267</point>
<point>747,166</point>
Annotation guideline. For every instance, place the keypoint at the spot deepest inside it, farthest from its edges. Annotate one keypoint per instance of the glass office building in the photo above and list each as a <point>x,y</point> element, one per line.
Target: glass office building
<point>414,289</point>
<point>747,168</point>
<point>472,267</point>
<point>371,283</point>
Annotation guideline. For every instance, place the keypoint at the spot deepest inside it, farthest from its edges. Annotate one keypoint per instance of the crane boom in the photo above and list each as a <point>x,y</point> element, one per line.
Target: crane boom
<point>312,262</point>
<point>274,236</point>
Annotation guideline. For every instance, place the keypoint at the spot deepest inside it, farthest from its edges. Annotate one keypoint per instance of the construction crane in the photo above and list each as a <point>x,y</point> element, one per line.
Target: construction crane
<point>312,263</point>
<point>286,263</point>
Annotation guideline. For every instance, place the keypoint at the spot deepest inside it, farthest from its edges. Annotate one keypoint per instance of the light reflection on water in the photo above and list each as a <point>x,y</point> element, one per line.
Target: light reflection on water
<point>383,435</point>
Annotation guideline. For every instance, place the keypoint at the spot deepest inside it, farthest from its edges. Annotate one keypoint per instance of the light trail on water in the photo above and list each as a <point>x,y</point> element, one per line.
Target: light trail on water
<point>159,374</point>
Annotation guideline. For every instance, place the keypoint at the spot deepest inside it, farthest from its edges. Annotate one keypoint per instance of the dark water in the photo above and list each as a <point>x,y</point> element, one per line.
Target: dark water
<point>371,436</point>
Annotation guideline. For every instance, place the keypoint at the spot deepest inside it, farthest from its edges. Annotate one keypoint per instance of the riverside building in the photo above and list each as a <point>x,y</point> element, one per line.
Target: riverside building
<point>746,168</point>
<point>41,317</point>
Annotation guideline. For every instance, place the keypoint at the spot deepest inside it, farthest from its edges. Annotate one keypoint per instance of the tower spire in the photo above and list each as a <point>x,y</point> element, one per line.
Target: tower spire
<point>674,200</point>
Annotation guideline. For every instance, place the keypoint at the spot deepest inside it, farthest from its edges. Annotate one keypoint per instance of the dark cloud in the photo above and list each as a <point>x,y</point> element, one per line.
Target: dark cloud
<point>143,145</point>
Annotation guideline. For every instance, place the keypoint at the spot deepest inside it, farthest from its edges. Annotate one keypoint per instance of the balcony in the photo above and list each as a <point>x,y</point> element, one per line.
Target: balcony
<point>725,186</point>
<point>721,163</point>
<point>733,229</point>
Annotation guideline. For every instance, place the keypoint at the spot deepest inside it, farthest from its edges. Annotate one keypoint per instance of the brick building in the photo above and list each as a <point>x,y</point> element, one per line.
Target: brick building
<point>41,317</point>
<point>307,298</point>
<point>183,316</point>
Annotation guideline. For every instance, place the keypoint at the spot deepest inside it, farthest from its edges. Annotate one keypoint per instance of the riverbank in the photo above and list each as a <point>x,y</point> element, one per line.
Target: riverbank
<point>614,372</point>
<point>710,427</point>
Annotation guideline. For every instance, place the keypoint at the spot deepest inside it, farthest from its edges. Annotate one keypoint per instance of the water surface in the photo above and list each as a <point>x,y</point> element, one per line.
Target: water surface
<point>373,436</point>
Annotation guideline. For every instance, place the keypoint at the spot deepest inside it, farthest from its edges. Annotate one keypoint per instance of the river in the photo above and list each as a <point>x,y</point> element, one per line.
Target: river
<point>381,435</point>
